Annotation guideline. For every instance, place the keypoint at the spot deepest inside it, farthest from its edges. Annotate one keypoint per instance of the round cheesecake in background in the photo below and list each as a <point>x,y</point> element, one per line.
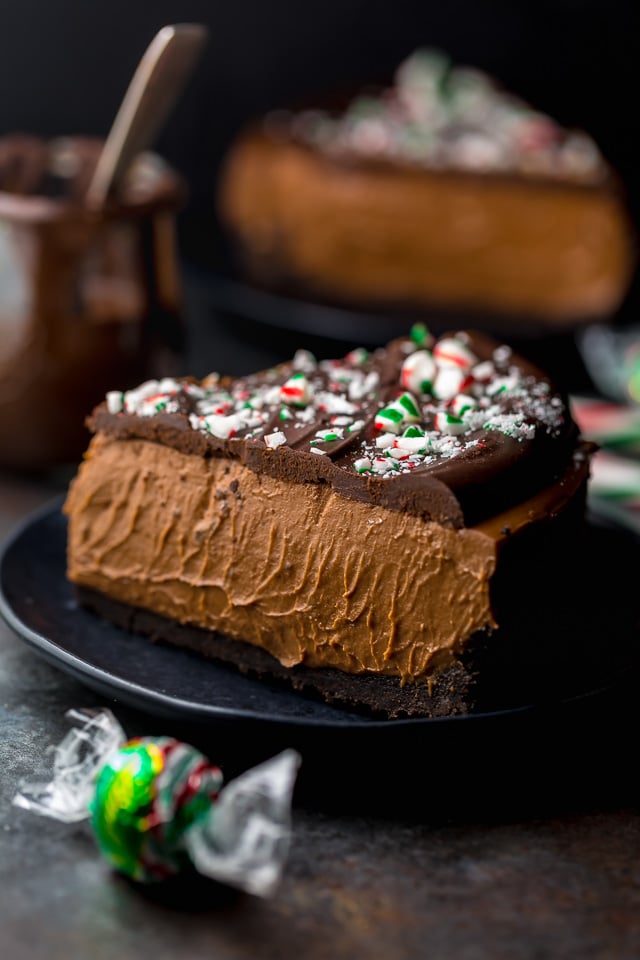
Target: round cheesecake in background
<point>441,193</point>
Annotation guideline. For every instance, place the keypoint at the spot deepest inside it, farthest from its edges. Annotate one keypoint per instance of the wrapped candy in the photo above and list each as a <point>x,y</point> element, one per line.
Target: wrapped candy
<point>157,806</point>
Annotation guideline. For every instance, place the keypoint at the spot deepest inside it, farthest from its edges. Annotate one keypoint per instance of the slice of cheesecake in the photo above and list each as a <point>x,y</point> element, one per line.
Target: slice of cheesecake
<point>373,527</point>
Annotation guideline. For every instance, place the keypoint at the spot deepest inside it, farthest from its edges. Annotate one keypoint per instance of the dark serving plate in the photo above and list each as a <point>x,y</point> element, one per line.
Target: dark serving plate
<point>212,701</point>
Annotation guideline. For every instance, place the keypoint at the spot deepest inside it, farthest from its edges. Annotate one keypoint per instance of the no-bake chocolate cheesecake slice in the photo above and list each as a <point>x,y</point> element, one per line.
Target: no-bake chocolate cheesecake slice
<point>373,528</point>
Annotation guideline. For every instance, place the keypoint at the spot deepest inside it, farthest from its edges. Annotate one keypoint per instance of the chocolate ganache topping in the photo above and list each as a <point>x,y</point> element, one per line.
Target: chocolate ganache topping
<point>453,430</point>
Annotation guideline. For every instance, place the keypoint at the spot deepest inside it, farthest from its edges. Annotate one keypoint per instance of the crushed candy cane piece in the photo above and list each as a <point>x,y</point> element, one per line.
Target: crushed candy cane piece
<point>449,424</point>
<point>357,357</point>
<point>462,403</point>
<point>449,382</point>
<point>296,390</point>
<point>275,439</point>
<point>420,335</point>
<point>452,352</point>
<point>418,372</point>
<point>304,361</point>
<point>115,401</point>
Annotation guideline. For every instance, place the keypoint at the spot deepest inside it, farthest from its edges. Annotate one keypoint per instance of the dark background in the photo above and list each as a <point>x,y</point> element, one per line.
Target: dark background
<point>65,64</point>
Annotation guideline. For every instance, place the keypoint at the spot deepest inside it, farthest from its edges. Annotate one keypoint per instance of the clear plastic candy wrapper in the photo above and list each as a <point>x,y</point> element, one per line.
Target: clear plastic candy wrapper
<point>158,806</point>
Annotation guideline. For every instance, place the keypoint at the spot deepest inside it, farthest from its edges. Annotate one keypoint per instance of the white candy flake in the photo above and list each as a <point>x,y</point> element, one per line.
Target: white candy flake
<point>275,439</point>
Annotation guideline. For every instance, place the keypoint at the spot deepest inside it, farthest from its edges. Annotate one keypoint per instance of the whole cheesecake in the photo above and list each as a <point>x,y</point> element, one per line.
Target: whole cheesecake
<point>373,529</point>
<point>443,193</point>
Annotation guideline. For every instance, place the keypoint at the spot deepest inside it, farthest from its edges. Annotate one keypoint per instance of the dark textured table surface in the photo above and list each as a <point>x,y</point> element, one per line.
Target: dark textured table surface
<point>521,840</point>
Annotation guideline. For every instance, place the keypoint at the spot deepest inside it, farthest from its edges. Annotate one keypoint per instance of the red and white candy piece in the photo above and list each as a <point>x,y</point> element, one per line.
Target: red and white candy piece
<point>401,453</point>
<point>222,426</point>
<point>296,390</point>
<point>418,372</point>
<point>384,440</point>
<point>451,381</point>
<point>451,352</point>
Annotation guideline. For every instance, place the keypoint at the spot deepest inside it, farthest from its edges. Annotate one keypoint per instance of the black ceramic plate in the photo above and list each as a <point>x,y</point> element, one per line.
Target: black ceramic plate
<point>38,603</point>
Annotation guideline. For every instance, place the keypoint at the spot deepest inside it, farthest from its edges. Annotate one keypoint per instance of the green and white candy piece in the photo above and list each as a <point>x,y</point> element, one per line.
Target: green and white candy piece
<point>402,410</point>
<point>461,404</point>
<point>448,423</point>
<point>115,401</point>
<point>410,444</point>
<point>355,426</point>
<point>504,384</point>
<point>420,335</point>
<point>328,436</point>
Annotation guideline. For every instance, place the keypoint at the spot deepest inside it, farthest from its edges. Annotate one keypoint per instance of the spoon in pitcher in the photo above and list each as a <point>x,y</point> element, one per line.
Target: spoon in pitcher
<point>153,91</point>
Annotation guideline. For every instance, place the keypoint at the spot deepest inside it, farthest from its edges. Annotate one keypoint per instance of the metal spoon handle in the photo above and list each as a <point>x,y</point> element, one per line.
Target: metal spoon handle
<point>154,88</point>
